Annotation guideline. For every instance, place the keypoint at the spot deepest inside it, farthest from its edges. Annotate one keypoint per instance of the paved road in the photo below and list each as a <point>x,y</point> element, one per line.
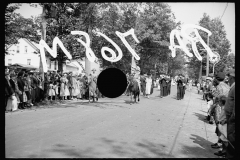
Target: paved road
<point>112,128</point>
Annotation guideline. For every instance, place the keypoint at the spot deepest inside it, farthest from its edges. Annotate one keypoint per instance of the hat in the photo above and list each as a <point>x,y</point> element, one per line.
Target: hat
<point>220,76</point>
<point>231,72</point>
<point>209,78</point>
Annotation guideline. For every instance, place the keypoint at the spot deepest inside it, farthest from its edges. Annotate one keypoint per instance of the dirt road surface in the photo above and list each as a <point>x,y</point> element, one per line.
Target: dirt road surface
<point>112,128</point>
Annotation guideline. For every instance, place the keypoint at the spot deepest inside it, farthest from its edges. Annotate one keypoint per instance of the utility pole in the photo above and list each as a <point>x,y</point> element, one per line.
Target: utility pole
<point>43,37</point>
<point>207,69</point>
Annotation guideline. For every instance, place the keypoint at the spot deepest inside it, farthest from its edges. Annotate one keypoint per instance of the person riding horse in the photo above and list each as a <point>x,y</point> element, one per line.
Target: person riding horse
<point>133,88</point>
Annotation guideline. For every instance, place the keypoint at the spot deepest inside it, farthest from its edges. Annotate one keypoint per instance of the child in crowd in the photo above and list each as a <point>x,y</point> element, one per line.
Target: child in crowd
<point>209,105</point>
<point>222,127</point>
<point>51,91</point>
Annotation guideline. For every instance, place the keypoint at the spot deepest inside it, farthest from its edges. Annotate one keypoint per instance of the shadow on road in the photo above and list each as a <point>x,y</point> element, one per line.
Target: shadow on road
<point>144,149</point>
<point>66,151</point>
<point>204,149</point>
<point>201,117</point>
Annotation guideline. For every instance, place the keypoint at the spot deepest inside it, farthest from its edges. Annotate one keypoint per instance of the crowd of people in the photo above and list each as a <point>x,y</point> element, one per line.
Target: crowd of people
<point>147,82</point>
<point>219,93</point>
<point>25,88</point>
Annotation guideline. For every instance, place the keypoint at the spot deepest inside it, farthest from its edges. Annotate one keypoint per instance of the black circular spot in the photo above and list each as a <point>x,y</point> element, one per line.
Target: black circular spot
<point>112,82</point>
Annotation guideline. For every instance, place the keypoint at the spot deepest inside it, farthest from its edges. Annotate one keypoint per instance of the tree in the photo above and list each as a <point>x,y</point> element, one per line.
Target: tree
<point>62,18</point>
<point>17,27</point>
<point>217,42</point>
<point>153,28</point>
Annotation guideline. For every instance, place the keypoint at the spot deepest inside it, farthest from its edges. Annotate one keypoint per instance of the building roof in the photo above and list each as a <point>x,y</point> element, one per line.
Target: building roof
<point>33,44</point>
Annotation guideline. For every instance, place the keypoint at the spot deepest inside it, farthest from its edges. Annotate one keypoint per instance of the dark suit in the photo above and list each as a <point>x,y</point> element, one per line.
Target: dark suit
<point>164,85</point>
<point>21,85</point>
<point>161,88</point>
<point>180,89</point>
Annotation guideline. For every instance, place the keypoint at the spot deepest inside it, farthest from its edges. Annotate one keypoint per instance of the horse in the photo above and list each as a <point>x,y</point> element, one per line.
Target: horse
<point>133,89</point>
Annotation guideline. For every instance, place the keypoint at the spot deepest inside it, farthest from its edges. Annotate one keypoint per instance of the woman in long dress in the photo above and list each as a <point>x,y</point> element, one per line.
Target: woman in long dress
<point>79,96</point>
<point>62,93</point>
<point>66,90</point>
<point>148,85</point>
<point>75,86</point>
<point>11,98</point>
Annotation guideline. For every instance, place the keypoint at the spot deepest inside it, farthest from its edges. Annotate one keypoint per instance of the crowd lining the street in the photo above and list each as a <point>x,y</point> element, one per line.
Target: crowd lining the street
<point>219,93</point>
<point>24,89</point>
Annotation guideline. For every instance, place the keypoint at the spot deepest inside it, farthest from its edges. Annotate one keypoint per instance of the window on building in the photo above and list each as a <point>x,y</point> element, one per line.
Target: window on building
<point>9,62</point>
<point>28,61</point>
<point>17,49</point>
<point>25,49</point>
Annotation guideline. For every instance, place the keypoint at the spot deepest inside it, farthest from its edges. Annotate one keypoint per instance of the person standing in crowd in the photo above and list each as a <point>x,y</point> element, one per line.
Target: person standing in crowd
<point>190,84</point>
<point>148,85</point>
<point>75,86</point>
<point>230,116</point>
<point>70,85</point>
<point>37,83</point>
<point>79,96</point>
<point>62,88</point>
<point>13,82</point>
<point>29,89</point>
<point>51,90</point>
<point>143,84</point>
<point>222,127</point>
<point>21,85</point>
<point>161,86</point>
<point>46,85</point>
<point>208,87</point>
<point>92,83</point>
<point>180,87</point>
<point>164,84</point>
<point>169,85</point>
<point>198,87</point>
<point>221,90</point>
<point>10,99</point>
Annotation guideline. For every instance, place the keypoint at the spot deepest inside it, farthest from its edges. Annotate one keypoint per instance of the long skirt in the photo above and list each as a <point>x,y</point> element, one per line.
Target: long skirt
<point>169,89</point>
<point>66,91</point>
<point>12,104</point>
<point>51,92</point>
<point>62,90</point>
<point>165,91</point>
<point>75,91</point>
<point>179,92</point>
<point>161,90</point>
<point>148,89</point>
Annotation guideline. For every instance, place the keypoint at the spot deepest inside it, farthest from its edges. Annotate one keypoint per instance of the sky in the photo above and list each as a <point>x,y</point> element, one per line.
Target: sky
<point>184,12</point>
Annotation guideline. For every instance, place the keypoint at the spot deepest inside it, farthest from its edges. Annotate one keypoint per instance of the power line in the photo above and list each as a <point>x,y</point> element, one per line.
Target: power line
<point>224,11</point>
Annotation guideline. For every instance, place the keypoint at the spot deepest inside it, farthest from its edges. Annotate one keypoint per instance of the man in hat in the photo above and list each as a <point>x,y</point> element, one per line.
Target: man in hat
<point>169,85</point>
<point>143,84</point>
<point>161,85</point>
<point>21,84</point>
<point>180,87</point>
<point>230,115</point>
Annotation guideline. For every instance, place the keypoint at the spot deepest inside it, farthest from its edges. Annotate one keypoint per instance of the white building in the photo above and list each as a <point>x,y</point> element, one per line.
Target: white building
<point>27,52</point>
